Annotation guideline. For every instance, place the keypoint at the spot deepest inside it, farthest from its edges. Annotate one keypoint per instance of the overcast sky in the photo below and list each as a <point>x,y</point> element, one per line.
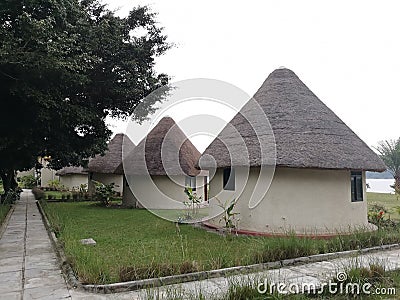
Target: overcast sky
<point>346,52</point>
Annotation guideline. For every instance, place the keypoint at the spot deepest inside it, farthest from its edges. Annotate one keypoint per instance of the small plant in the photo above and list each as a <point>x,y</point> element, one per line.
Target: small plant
<point>229,217</point>
<point>54,185</point>
<point>28,181</point>
<point>377,216</point>
<point>68,197</point>
<point>11,196</point>
<point>192,204</point>
<point>103,192</point>
<point>75,196</point>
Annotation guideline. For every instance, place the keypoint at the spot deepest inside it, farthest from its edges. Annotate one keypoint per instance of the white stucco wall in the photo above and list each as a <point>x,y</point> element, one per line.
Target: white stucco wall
<point>301,200</point>
<point>158,191</point>
<point>73,180</point>
<point>110,178</point>
<point>47,175</point>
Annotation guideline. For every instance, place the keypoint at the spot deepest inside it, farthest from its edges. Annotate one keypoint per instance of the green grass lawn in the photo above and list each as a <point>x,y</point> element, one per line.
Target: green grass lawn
<point>389,201</point>
<point>135,244</point>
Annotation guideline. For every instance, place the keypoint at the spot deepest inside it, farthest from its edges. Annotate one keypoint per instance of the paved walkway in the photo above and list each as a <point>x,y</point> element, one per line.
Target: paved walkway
<point>29,268</point>
<point>28,264</point>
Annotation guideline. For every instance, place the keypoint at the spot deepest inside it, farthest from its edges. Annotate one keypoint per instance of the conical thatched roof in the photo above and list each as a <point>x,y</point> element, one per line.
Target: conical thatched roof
<point>112,158</point>
<point>165,150</point>
<point>307,133</point>
<point>71,171</point>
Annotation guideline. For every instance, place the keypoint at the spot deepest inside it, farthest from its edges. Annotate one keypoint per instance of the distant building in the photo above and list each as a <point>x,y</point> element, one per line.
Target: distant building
<point>73,177</point>
<point>160,167</point>
<point>104,168</point>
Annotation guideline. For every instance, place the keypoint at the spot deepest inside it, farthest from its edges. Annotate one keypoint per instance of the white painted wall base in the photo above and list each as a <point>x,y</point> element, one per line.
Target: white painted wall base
<point>304,201</point>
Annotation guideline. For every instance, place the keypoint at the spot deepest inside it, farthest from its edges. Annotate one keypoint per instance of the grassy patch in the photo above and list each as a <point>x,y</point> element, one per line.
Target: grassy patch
<point>389,201</point>
<point>135,244</point>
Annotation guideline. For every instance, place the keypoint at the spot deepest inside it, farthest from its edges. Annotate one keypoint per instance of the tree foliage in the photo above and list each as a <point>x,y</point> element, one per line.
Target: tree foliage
<point>64,66</point>
<point>389,151</point>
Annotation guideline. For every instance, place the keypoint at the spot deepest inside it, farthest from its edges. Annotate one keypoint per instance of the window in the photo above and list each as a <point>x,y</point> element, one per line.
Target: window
<point>229,179</point>
<point>356,187</point>
<point>190,181</point>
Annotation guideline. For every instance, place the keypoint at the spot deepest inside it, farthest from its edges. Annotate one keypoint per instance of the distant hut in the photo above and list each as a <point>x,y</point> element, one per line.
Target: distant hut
<point>160,167</point>
<point>319,183</point>
<point>72,177</point>
<point>104,168</point>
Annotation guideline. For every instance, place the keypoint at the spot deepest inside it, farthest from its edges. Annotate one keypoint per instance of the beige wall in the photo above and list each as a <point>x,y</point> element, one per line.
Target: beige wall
<point>47,175</point>
<point>73,180</point>
<point>110,178</point>
<point>159,192</point>
<point>300,200</point>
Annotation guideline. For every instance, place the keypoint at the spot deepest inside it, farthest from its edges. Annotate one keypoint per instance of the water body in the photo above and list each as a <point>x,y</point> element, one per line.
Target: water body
<point>380,185</point>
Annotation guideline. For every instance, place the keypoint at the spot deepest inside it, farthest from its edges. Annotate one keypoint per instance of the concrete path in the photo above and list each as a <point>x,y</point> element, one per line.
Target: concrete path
<point>29,268</point>
<point>28,264</point>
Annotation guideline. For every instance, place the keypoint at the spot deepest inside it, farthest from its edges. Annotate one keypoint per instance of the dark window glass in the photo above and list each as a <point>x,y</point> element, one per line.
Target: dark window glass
<point>356,186</point>
<point>190,181</point>
<point>229,179</point>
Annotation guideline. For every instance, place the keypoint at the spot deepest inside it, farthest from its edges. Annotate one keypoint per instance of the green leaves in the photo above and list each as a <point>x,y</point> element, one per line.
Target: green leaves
<point>64,66</point>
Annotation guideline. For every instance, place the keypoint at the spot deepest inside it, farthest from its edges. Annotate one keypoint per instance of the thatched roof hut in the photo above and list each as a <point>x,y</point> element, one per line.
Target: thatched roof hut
<point>307,133</point>
<point>71,171</point>
<point>164,151</point>
<point>112,158</point>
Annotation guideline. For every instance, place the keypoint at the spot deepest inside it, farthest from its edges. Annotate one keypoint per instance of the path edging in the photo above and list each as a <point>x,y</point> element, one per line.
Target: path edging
<point>181,278</point>
<point>3,225</point>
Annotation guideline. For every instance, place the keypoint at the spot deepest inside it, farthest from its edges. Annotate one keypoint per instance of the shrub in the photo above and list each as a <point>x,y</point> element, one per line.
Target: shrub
<point>377,216</point>
<point>11,196</point>
<point>54,185</point>
<point>103,192</point>
<point>38,193</point>
<point>28,181</point>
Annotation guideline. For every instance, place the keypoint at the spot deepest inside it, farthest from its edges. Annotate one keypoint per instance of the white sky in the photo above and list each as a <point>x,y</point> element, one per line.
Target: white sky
<point>346,52</point>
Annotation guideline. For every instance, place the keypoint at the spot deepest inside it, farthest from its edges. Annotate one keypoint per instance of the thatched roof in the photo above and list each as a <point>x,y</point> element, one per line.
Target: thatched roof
<point>165,150</point>
<point>307,133</point>
<point>112,158</point>
<point>71,171</point>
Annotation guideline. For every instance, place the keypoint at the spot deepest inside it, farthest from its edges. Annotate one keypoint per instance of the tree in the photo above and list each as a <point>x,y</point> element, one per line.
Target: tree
<point>64,66</point>
<point>390,153</point>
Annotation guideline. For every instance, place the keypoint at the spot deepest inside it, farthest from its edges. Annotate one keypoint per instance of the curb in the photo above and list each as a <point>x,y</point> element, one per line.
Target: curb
<point>3,225</point>
<point>63,262</point>
<point>174,279</point>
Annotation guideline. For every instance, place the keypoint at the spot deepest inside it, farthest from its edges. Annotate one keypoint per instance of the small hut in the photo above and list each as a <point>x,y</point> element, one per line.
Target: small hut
<point>104,168</point>
<point>160,167</point>
<point>72,177</point>
<point>319,182</point>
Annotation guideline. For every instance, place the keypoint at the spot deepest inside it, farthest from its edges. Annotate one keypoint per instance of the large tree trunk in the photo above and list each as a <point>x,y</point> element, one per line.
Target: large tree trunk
<point>9,180</point>
<point>397,182</point>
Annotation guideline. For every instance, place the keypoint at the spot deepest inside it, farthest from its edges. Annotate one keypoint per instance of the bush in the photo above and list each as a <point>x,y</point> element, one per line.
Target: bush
<point>377,216</point>
<point>54,185</point>
<point>38,193</point>
<point>11,196</point>
<point>28,181</point>
<point>103,192</point>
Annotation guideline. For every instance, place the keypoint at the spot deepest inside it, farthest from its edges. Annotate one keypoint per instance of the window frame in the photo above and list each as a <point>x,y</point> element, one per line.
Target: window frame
<point>357,189</point>
<point>228,179</point>
<point>190,181</point>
